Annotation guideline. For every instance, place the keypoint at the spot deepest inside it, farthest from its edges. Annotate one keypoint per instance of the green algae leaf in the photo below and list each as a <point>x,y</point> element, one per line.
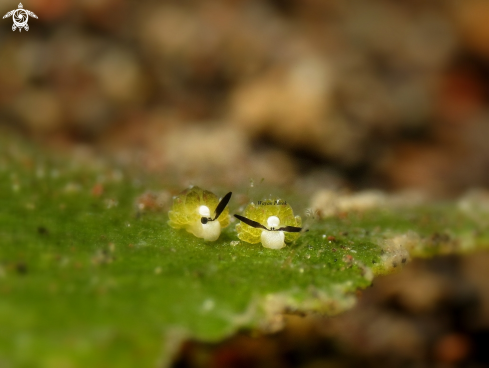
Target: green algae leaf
<point>88,279</point>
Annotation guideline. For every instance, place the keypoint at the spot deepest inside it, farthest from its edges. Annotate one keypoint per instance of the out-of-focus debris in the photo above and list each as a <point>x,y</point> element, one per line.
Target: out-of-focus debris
<point>475,201</point>
<point>153,201</point>
<point>330,202</point>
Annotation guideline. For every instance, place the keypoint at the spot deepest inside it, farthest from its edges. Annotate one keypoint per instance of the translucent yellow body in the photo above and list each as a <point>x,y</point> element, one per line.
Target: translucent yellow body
<point>261,212</point>
<point>185,211</point>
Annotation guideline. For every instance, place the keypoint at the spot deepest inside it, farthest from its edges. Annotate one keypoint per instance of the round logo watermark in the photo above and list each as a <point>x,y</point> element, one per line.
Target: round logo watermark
<point>20,17</point>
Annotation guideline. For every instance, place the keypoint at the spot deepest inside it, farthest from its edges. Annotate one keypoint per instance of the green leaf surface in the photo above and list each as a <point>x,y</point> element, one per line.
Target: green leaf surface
<point>88,280</point>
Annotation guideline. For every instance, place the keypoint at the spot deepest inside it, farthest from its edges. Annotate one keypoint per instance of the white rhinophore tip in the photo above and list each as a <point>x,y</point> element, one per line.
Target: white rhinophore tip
<point>204,211</point>
<point>273,222</point>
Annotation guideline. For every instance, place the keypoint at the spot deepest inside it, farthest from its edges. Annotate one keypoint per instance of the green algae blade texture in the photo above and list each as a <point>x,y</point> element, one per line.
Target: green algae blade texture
<point>86,279</point>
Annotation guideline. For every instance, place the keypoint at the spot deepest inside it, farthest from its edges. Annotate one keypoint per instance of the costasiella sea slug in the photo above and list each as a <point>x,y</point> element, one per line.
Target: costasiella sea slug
<point>271,222</point>
<point>200,213</point>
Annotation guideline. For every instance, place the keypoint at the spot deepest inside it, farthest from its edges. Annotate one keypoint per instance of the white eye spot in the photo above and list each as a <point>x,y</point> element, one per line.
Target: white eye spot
<point>204,211</point>
<point>273,222</point>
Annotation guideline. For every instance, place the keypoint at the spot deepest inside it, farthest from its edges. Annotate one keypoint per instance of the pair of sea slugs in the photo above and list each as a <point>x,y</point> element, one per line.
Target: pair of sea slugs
<point>201,213</point>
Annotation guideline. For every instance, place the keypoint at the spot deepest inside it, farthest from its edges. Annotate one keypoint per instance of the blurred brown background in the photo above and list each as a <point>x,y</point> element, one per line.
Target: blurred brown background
<point>379,93</point>
<point>392,94</point>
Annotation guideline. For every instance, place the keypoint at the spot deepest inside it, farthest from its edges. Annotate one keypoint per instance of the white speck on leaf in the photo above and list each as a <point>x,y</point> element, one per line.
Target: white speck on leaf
<point>208,305</point>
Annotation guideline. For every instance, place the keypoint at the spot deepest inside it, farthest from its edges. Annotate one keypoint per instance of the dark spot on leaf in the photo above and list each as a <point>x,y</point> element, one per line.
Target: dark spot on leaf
<point>439,238</point>
<point>21,268</point>
<point>42,230</point>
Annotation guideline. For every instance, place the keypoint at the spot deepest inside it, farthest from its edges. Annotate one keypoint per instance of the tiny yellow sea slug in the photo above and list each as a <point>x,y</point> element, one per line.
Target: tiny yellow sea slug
<point>271,222</point>
<point>200,212</point>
